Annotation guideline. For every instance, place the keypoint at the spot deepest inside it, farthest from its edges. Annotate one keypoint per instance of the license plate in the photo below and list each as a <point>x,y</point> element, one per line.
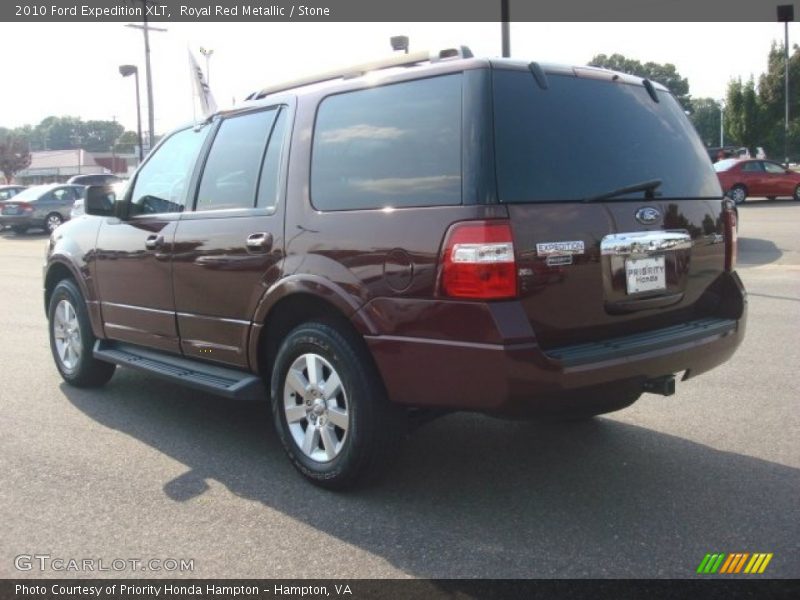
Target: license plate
<point>9,210</point>
<point>645,274</point>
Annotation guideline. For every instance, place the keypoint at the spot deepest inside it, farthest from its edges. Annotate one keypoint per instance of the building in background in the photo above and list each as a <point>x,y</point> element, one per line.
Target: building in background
<point>56,166</point>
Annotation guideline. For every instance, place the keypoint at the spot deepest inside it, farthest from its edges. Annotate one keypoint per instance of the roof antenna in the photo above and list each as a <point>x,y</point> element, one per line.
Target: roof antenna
<point>648,85</point>
<point>538,75</point>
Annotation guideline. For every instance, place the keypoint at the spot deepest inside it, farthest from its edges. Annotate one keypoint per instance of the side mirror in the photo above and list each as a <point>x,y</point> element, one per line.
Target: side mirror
<point>100,200</point>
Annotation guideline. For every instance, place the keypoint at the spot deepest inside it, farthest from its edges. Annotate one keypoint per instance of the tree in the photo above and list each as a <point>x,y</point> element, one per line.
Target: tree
<point>771,95</point>
<point>14,156</point>
<point>665,74</point>
<point>743,114</point>
<point>705,116</point>
<point>99,136</point>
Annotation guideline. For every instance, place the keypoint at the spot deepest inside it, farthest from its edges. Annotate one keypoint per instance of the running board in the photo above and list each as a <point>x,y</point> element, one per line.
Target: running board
<point>214,379</point>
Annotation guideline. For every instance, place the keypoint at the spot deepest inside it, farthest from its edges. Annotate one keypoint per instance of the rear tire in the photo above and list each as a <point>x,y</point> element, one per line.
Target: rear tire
<point>52,221</point>
<point>331,410</point>
<point>72,340</point>
<point>738,194</point>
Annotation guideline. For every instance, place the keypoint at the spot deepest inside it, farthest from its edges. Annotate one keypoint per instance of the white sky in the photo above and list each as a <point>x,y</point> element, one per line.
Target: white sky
<point>71,68</point>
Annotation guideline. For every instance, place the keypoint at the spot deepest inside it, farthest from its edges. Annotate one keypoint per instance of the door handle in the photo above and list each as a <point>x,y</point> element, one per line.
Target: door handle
<point>259,242</point>
<point>153,241</point>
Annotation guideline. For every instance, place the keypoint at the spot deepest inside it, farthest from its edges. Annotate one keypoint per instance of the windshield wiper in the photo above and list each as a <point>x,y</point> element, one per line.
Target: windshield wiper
<point>644,186</point>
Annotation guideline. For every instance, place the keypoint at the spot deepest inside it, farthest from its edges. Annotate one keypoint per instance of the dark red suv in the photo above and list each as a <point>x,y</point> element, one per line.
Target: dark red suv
<point>408,238</point>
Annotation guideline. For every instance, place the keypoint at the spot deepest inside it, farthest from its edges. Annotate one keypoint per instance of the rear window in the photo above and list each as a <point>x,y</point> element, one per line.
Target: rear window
<point>394,146</point>
<point>583,137</point>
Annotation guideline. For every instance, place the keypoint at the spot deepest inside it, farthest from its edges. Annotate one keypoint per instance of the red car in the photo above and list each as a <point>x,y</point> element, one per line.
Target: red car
<point>743,178</point>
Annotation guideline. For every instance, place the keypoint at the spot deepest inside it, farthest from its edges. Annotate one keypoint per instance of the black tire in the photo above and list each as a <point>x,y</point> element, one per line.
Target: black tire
<point>797,193</point>
<point>375,427</point>
<point>738,194</point>
<point>52,221</point>
<point>19,229</point>
<point>85,370</point>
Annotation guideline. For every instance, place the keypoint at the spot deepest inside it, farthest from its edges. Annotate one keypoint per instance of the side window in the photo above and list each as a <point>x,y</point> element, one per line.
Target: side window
<point>268,190</point>
<point>752,167</point>
<point>160,186</point>
<point>231,172</point>
<point>773,168</point>
<point>390,146</point>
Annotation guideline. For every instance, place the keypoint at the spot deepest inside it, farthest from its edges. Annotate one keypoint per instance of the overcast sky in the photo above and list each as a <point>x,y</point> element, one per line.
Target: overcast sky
<point>71,68</point>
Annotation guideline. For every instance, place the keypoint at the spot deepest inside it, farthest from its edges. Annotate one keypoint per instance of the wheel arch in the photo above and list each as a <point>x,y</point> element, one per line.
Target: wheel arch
<point>57,271</point>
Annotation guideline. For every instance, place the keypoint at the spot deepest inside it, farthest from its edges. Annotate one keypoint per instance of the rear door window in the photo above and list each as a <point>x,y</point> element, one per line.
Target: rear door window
<point>231,172</point>
<point>396,145</point>
<point>584,137</point>
<point>752,167</point>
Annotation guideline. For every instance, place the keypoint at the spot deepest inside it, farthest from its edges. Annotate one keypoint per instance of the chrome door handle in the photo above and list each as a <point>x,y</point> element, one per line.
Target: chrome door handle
<point>153,241</point>
<point>259,242</point>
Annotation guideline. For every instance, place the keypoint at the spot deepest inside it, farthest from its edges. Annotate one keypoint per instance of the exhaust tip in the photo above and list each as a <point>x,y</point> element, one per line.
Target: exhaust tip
<point>663,386</point>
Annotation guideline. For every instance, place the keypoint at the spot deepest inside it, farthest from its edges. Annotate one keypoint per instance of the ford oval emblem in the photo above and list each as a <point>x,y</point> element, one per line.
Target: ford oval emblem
<point>648,215</point>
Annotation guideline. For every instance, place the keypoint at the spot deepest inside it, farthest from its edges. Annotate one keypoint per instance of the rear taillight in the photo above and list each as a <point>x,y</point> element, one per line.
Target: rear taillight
<point>731,242</point>
<point>478,261</point>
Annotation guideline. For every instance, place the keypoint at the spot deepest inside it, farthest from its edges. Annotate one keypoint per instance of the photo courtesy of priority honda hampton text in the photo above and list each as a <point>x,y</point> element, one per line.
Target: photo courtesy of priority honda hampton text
<point>419,235</point>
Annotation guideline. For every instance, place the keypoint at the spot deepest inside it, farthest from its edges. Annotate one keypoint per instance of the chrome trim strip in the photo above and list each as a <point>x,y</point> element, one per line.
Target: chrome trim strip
<point>645,242</point>
<point>210,318</point>
<point>141,308</point>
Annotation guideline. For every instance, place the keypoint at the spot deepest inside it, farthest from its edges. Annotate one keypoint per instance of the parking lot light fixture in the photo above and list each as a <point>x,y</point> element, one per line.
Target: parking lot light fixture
<point>126,71</point>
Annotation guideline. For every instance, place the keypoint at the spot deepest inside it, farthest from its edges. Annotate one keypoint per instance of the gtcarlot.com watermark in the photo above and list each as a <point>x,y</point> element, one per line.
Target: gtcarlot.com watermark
<point>47,562</point>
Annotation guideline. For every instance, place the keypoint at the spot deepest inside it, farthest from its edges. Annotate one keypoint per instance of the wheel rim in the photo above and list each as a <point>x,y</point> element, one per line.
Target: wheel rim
<point>67,335</point>
<point>53,221</point>
<point>738,195</point>
<point>316,407</point>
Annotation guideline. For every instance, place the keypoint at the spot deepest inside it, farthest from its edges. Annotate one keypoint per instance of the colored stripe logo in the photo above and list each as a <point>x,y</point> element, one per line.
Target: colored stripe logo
<point>734,563</point>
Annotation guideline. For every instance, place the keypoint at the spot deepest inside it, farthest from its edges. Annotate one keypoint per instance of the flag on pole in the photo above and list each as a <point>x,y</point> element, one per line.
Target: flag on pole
<point>201,88</point>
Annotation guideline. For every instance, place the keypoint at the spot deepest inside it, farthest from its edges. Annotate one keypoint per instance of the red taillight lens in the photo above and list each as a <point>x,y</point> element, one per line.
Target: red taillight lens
<point>731,240</point>
<point>478,261</point>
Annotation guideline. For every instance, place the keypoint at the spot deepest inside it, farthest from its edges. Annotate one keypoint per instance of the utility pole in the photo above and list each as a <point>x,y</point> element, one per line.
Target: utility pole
<point>505,28</point>
<point>721,123</point>
<point>146,28</point>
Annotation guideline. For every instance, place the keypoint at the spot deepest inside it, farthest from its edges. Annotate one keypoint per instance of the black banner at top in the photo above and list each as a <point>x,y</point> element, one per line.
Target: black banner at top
<point>389,10</point>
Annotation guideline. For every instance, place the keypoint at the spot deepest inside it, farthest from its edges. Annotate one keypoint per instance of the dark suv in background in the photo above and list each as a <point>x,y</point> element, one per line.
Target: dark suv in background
<point>448,234</point>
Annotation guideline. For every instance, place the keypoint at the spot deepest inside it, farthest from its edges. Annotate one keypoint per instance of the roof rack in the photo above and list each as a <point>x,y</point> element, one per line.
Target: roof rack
<point>358,70</point>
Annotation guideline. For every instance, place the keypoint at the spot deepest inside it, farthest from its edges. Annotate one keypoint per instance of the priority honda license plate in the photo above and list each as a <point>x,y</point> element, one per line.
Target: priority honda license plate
<point>645,274</point>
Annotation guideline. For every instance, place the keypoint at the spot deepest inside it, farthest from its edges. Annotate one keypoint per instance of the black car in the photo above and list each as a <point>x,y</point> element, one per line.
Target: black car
<point>45,206</point>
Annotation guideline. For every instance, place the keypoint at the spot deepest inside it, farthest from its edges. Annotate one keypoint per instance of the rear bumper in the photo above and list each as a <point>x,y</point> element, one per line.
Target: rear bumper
<point>19,220</point>
<point>522,378</point>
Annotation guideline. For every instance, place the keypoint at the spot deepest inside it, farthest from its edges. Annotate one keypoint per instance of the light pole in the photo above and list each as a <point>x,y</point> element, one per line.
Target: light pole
<point>721,124</point>
<point>399,42</point>
<point>786,14</point>
<point>207,52</point>
<point>146,28</point>
<point>125,71</point>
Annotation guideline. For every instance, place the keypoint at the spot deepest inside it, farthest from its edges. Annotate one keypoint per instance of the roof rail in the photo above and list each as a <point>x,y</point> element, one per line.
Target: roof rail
<point>399,60</point>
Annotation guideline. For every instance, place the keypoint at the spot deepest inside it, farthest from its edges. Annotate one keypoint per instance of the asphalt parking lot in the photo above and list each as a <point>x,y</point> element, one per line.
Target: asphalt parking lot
<point>144,469</point>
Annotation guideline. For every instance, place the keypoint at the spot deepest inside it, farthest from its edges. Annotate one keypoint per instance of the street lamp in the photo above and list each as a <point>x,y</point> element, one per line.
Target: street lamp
<point>399,42</point>
<point>207,52</point>
<point>721,124</point>
<point>505,27</point>
<point>125,71</point>
<point>786,14</point>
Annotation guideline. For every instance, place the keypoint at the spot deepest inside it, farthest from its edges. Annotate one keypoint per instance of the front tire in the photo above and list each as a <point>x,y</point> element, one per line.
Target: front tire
<point>797,193</point>
<point>738,194</point>
<point>72,340</point>
<point>330,408</point>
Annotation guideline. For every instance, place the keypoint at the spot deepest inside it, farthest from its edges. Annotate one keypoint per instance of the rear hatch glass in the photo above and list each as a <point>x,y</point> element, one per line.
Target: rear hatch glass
<point>595,260</point>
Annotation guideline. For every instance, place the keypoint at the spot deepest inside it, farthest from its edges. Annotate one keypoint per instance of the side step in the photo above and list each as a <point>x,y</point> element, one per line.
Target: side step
<point>223,381</point>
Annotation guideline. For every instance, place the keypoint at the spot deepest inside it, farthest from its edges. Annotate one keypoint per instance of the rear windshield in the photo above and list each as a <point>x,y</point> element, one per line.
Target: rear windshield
<point>582,138</point>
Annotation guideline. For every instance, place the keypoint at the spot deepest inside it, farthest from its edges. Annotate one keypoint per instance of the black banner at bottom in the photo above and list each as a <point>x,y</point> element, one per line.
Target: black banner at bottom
<point>359,589</point>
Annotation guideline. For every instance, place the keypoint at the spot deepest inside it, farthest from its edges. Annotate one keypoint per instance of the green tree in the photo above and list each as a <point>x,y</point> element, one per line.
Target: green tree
<point>14,156</point>
<point>771,95</point>
<point>665,74</point>
<point>705,115</point>
<point>99,136</point>
<point>743,114</point>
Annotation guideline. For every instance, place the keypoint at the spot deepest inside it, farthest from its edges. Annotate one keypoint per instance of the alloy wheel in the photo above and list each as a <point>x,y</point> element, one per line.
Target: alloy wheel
<point>316,407</point>
<point>53,221</point>
<point>67,335</point>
